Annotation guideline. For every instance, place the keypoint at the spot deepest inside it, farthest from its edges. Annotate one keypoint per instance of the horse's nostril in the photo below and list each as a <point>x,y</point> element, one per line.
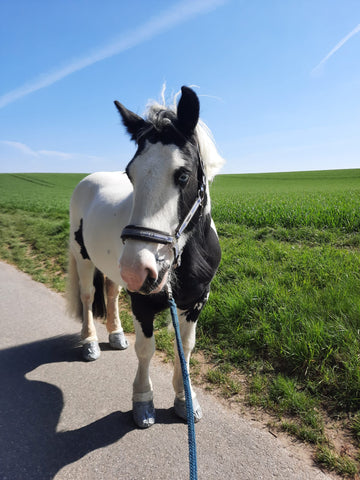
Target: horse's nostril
<point>149,284</point>
<point>152,274</point>
<point>150,280</point>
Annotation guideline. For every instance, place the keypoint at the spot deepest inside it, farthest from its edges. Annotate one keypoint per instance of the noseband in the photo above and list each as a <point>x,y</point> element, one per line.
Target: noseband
<point>137,232</point>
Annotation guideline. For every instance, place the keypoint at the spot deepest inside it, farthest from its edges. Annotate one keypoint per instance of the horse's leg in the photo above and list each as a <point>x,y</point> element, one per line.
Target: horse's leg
<point>143,406</point>
<point>90,349</point>
<point>117,338</point>
<point>187,333</point>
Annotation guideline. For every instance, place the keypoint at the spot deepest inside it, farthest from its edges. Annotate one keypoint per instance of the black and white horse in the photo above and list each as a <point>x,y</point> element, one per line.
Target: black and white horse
<point>143,230</point>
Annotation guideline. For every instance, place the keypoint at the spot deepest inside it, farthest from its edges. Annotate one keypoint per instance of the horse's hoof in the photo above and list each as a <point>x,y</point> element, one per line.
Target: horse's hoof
<point>91,351</point>
<point>180,409</point>
<point>144,414</point>
<point>118,341</point>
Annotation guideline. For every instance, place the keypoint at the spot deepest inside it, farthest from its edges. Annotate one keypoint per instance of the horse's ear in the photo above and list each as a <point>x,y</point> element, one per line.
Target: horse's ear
<point>188,110</point>
<point>132,122</point>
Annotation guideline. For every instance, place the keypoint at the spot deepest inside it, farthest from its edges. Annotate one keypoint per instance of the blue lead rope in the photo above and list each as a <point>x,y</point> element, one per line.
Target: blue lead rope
<point>188,399</point>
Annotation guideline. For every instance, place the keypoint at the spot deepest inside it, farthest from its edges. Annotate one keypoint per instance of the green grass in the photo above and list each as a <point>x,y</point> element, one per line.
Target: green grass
<point>221,377</point>
<point>340,464</point>
<point>34,224</point>
<point>291,200</point>
<point>285,305</point>
<point>292,305</point>
<point>47,194</point>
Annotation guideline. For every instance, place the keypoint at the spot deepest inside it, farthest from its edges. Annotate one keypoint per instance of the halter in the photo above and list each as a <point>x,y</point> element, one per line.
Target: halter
<point>137,232</point>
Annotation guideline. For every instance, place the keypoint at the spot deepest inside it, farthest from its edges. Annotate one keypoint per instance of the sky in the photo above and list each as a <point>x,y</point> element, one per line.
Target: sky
<point>278,81</point>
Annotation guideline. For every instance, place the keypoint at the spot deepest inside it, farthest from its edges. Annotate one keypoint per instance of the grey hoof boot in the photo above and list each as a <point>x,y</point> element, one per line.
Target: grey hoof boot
<point>180,409</point>
<point>91,351</point>
<point>144,414</point>
<point>118,341</point>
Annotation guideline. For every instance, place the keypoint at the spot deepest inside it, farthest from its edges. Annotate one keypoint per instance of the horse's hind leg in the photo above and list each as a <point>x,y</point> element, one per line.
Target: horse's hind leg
<point>117,338</point>
<point>187,333</point>
<point>90,349</point>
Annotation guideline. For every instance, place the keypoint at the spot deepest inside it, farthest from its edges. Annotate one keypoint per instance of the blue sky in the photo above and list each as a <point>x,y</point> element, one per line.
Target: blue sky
<point>278,80</point>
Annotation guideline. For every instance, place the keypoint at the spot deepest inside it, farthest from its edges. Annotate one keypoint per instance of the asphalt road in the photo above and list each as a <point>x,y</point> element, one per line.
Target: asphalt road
<point>65,419</point>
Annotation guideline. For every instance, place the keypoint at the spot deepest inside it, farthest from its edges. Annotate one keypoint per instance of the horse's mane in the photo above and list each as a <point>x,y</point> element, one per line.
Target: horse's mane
<point>161,116</point>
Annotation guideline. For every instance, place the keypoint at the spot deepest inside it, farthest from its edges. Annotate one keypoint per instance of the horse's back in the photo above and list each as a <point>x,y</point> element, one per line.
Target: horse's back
<point>100,208</point>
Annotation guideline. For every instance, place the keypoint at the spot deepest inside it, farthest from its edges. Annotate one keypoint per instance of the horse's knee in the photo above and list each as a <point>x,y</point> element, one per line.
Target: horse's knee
<point>145,350</point>
<point>112,289</point>
<point>87,297</point>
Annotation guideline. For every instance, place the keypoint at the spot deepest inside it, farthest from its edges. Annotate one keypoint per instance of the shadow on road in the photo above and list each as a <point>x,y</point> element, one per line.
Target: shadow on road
<point>30,446</point>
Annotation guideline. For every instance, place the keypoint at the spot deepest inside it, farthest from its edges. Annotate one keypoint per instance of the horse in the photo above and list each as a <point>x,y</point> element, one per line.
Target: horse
<point>147,230</point>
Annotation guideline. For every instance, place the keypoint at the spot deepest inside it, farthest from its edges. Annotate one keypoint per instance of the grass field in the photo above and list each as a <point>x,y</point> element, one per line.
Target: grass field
<point>285,305</point>
<point>34,226</point>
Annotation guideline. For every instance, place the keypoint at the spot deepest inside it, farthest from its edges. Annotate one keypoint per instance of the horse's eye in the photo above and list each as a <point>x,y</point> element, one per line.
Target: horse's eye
<point>183,179</point>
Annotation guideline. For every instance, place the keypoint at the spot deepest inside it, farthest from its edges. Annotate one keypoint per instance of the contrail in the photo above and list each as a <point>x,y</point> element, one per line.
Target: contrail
<point>28,151</point>
<point>177,14</point>
<point>336,48</point>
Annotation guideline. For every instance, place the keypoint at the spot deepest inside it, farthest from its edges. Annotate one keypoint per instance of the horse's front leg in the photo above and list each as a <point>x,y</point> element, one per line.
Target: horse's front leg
<point>143,406</point>
<point>187,333</point>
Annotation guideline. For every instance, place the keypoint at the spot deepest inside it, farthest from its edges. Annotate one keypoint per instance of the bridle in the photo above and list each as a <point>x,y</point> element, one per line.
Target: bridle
<point>138,232</point>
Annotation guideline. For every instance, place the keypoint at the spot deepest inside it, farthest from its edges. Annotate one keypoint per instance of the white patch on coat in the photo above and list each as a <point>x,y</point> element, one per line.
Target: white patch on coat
<point>103,200</point>
<point>155,194</point>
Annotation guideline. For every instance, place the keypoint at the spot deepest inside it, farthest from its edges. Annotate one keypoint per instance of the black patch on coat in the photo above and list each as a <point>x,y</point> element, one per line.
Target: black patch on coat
<point>199,262</point>
<point>164,124</point>
<point>192,313</point>
<point>80,240</point>
<point>145,307</point>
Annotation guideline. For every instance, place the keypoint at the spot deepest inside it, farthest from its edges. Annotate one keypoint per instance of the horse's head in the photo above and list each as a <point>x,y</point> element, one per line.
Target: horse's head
<point>167,175</point>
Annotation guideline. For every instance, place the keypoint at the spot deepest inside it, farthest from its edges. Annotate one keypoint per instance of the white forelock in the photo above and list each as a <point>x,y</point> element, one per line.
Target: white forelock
<point>212,160</point>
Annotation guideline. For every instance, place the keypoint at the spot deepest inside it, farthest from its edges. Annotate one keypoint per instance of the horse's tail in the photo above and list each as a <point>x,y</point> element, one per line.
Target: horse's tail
<point>74,304</point>
<point>99,304</point>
